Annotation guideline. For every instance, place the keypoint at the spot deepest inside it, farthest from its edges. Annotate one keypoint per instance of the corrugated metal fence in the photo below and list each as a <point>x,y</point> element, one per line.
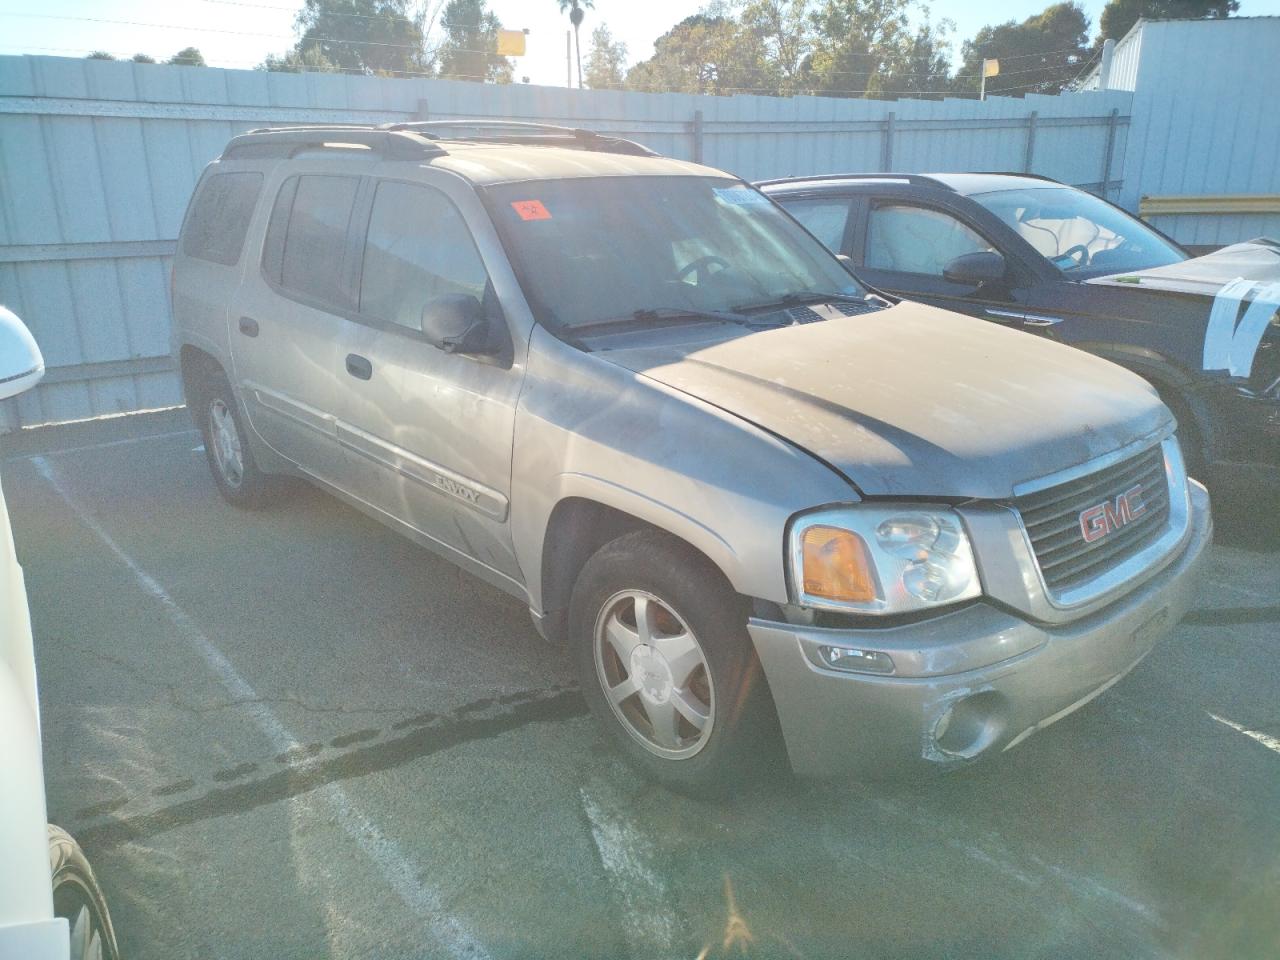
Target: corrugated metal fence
<point>98,160</point>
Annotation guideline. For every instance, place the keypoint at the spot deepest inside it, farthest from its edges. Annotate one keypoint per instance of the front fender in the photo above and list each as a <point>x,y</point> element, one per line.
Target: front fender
<point>590,429</point>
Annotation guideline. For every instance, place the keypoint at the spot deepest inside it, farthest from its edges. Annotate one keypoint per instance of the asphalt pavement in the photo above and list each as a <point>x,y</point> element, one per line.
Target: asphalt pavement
<point>290,733</point>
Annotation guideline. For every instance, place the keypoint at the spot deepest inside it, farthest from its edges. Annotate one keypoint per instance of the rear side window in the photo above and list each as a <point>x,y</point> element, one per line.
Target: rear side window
<point>825,219</point>
<point>219,217</point>
<point>418,248</point>
<point>307,236</point>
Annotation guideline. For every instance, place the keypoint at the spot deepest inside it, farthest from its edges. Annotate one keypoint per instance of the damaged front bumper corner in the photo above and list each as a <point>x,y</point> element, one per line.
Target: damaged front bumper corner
<point>967,684</point>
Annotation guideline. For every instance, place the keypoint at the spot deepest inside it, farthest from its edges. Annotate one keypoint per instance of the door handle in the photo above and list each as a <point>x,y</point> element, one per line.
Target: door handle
<point>249,326</point>
<point>359,367</point>
<point>1040,320</point>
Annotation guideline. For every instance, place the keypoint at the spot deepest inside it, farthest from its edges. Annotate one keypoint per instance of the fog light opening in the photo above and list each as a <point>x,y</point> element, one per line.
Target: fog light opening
<point>856,661</point>
<point>969,726</point>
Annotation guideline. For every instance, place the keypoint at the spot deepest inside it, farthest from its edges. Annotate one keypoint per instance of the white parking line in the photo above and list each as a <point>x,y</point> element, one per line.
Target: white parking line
<point>105,446</point>
<point>1268,741</point>
<point>385,853</point>
<point>648,920</point>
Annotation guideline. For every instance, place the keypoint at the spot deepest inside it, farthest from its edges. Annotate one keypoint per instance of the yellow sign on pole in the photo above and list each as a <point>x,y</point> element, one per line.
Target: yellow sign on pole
<point>511,43</point>
<point>990,68</point>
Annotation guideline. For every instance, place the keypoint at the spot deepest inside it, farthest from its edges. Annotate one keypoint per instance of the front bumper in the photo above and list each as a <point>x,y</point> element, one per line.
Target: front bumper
<point>969,683</point>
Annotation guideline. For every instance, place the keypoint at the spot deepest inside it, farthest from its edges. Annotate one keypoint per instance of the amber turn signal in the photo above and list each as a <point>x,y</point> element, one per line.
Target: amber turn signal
<point>837,565</point>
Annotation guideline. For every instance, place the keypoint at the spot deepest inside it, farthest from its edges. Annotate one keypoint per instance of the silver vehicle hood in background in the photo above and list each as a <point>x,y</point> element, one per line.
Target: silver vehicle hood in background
<point>912,400</point>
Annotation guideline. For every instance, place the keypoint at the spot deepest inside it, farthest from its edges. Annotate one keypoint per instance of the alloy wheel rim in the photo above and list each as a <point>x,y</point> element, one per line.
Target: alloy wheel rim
<point>86,938</point>
<point>225,438</point>
<point>654,674</point>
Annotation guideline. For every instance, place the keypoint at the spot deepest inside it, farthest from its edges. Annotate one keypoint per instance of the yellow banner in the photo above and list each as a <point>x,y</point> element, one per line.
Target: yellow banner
<point>991,68</point>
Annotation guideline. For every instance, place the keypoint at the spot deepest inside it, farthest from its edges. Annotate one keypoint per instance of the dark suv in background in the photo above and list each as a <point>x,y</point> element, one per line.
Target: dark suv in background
<point>1032,253</point>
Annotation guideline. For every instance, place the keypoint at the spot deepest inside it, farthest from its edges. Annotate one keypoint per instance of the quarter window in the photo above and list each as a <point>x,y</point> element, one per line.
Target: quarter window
<point>220,217</point>
<point>418,248</point>
<point>909,239</point>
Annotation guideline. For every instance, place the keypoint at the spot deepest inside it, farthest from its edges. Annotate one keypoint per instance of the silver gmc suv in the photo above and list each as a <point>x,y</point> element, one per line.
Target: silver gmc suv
<point>748,493</point>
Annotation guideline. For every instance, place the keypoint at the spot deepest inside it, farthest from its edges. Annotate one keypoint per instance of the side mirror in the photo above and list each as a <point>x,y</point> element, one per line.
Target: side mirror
<point>975,269</point>
<point>455,323</point>
<point>21,364</point>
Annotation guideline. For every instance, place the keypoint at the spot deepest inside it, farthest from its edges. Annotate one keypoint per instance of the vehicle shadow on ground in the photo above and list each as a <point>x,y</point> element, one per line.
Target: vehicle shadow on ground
<point>1247,518</point>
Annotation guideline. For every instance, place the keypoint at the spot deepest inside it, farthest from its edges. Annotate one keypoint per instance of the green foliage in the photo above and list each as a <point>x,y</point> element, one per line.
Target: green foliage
<point>99,55</point>
<point>709,52</point>
<point>310,60</point>
<point>469,51</point>
<point>355,36</point>
<point>1042,54</point>
<point>606,62</point>
<point>1119,16</point>
<point>142,58</point>
<point>189,57</point>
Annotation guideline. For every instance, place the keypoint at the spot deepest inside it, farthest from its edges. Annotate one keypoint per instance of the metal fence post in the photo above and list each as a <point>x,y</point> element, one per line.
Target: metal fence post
<point>1113,121</point>
<point>1032,119</point>
<point>422,112</point>
<point>886,149</point>
<point>697,136</point>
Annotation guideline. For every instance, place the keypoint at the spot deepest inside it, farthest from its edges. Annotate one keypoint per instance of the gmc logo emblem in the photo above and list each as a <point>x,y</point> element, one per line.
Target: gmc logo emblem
<point>1111,515</point>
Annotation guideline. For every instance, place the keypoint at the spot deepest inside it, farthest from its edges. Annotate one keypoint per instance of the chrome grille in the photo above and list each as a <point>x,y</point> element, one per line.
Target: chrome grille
<point>1052,518</point>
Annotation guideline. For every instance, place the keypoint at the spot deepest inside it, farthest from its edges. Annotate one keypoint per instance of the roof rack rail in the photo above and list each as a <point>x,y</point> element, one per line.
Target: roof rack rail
<point>917,179</point>
<point>287,141</point>
<point>521,132</point>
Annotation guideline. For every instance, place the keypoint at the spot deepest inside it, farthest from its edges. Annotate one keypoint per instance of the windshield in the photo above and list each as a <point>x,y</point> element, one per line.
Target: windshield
<point>593,249</point>
<point>1078,233</point>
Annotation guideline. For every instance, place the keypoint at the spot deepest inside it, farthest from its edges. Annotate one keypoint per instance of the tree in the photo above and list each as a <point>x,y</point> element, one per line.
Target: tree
<point>310,60</point>
<point>918,66</point>
<point>577,11</point>
<point>709,52</point>
<point>1119,16</point>
<point>99,55</point>
<point>784,30</point>
<point>1042,54</point>
<point>188,56</point>
<point>357,36</point>
<point>142,58</point>
<point>606,63</point>
<point>470,48</point>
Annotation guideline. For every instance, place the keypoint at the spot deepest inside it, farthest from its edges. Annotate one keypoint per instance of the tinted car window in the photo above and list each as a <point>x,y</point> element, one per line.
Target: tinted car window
<point>418,248</point>
<point>825,219</point>
<point>311,263</point>
<point>911,239</point>
<point>220,217</point>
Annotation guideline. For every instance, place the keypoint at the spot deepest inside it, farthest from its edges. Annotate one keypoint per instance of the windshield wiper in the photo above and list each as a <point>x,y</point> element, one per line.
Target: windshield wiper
<point>664,316</point>
<point>800,299</point>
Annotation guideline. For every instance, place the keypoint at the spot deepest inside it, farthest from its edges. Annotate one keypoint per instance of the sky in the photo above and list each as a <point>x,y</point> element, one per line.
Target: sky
<point>240,33</point>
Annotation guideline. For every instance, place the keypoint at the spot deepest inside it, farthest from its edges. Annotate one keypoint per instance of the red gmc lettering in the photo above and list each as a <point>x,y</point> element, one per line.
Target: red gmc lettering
<point>1110,515</point>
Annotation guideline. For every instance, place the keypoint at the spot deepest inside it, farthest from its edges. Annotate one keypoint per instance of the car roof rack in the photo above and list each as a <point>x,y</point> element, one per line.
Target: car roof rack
<point>915,179</point>
<point>520,132</point>
<point>289,141</point>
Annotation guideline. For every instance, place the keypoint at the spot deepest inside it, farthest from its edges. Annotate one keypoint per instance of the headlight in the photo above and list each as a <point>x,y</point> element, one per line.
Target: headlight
<point>881,559</point>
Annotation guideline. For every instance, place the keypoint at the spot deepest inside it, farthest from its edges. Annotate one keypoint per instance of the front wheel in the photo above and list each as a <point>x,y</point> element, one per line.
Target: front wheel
<point>226,446</point>
<point>78,899</point>
<point>665,663</point>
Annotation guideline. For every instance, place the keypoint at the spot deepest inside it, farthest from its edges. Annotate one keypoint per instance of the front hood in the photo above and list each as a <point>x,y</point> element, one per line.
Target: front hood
<point>913,400</point>
<point>1254,260</point>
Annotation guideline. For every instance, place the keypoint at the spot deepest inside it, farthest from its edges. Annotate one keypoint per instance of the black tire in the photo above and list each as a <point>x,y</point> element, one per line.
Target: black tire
<point>742,741</point>
<point>78,899</point>
<point>213,401</point>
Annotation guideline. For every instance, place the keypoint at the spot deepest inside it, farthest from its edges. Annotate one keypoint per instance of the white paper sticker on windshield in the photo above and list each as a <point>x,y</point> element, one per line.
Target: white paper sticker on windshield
<point>739,196</point>
<point>1231,347</point>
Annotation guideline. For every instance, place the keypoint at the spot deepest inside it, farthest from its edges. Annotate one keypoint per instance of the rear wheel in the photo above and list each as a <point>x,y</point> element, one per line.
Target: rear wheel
<point>665,663</point>
<point>231,461</point>
<point>78,899</point>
